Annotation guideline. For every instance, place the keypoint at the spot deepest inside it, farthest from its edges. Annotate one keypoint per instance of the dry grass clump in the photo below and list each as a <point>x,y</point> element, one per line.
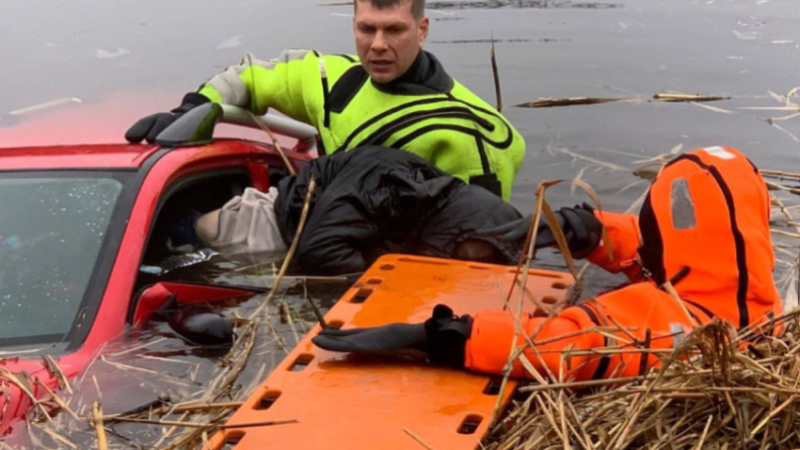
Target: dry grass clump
<point>718,390</point>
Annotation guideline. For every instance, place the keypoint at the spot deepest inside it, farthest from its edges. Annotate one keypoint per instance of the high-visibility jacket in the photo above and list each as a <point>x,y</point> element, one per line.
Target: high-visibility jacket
<point>704,227</point>
<point>425,111</point>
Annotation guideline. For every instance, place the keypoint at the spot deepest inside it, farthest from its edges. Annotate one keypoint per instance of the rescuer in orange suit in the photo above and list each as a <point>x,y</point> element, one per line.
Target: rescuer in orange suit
<point>703,229</point>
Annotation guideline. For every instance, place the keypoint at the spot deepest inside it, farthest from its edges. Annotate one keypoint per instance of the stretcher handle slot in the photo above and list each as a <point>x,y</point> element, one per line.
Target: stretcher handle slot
<point>470,424</point>
<point>267,400</point>
<point>493,386</point>
<point>549,300</point>
<point>231,440</point>
<point>301,362</point>
<point>361,296</point>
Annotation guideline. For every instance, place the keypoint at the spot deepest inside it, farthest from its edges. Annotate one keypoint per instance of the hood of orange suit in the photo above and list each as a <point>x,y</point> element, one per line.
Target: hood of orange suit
<point>705,226</point>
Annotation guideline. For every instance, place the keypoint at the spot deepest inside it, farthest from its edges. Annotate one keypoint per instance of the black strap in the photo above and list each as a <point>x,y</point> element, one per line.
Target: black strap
<point>705,310</point>
<point>738,238</point>
<point>605,360</point>
<point>678,277</point>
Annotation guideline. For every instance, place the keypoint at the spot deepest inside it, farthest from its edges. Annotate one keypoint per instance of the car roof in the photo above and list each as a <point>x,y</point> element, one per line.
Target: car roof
<point>127,156</point>
<point>112,156</point>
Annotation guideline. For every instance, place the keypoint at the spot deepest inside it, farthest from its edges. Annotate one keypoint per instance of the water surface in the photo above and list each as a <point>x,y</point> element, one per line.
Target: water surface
<point>124,58</point>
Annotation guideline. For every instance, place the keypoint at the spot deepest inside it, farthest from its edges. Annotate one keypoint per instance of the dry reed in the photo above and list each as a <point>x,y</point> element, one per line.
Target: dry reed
<point>718,390</point>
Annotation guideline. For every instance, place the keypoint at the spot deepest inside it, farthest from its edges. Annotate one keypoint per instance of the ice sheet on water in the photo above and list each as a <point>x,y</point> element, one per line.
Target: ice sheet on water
<point>105,54</point>
<point>231,42</point>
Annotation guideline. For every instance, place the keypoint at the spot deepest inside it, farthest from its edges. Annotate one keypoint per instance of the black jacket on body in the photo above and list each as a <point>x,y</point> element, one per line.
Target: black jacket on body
<point>374,201</point>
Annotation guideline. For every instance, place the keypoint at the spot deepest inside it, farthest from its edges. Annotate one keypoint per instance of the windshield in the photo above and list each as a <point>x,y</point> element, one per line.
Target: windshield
<point>52,232</point>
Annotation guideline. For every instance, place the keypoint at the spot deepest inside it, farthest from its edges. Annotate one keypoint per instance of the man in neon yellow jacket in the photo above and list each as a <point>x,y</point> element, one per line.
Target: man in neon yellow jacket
<point>394,94</point>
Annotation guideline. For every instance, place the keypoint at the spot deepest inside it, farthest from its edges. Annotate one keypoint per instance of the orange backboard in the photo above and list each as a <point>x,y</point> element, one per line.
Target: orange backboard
<point>348,401</point>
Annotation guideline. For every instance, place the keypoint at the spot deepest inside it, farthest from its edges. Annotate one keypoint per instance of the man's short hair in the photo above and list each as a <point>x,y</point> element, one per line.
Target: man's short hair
<point>417,6</point>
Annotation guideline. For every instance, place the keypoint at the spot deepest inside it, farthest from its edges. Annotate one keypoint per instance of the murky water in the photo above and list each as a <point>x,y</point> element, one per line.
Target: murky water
<point>123,58</point>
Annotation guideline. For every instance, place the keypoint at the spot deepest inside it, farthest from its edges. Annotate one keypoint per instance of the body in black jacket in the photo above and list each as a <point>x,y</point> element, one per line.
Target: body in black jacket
<point>375,200</point>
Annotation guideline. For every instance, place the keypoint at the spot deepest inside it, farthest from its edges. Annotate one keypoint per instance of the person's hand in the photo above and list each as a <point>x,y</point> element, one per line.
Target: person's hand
<point>443,337</point>
<point>581,228</point>
<point>151,126</point>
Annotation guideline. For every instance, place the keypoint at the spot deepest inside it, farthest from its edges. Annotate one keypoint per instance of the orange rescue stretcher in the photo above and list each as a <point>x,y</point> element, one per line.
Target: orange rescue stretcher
<point>347,401</point>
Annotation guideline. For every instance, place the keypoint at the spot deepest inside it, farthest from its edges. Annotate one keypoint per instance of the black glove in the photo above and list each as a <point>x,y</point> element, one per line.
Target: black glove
<point>580,226</point>
<point>151,126</point>
<point>443,337</point>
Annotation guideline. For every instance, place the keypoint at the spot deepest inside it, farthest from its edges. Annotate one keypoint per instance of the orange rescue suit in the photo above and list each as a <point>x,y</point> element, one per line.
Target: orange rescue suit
<point>704,226</point>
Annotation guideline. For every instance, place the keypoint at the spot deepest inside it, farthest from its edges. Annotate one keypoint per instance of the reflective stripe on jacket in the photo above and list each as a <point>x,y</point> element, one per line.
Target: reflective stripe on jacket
<point>432,116</point>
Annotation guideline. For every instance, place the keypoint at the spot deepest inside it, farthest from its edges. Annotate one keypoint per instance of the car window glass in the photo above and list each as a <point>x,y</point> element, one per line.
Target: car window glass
<point>51,233</point>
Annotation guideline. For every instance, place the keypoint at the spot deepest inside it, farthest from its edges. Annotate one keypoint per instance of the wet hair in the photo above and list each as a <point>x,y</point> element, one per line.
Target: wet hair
<point>417,6</point>
<point>476,250</point>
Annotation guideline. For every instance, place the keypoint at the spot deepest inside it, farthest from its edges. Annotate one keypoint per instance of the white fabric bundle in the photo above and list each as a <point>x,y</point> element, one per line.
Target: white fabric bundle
<point>247,222</point>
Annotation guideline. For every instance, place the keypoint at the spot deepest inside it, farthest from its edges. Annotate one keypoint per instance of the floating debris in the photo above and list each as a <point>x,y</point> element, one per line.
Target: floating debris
<point>712,108</point>
<point>786,101</point>
<point>572,101</point>
<point>549,102</point>
<point>751,36</point>
<point>649,171</point>
<point>689,98</point>
<point>576,156</point>
<point>784,130</point>
<point>489,41</point>
<point>522,4</point>
<point>231,42</point>
<point>44,106</point>
<point>787,104</point>
<point>653,166</point>
<point>495,4</point>
<point>104,54</point>
<point>495,73</point>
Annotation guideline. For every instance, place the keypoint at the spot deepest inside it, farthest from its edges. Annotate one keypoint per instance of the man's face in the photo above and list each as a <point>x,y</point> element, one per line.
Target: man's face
<point>388,40</point>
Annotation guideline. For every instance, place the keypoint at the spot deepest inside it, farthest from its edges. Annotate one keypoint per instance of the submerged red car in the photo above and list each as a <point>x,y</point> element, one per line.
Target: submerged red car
<point>79,222</point>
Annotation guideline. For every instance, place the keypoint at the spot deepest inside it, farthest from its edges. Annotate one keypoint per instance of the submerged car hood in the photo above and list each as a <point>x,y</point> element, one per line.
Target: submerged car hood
<point>30,373</point>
